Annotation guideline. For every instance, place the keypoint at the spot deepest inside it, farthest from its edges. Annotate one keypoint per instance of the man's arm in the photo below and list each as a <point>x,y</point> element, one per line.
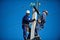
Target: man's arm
<point>31,20</point>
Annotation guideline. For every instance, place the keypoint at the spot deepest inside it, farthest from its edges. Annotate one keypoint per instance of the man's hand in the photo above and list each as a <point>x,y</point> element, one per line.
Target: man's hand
<point>39,21</point>
<point>33,19</point>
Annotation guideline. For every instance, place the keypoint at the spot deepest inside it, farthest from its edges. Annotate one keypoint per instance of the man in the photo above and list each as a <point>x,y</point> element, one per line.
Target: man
<point>25,25</point>
<point>43,18</point>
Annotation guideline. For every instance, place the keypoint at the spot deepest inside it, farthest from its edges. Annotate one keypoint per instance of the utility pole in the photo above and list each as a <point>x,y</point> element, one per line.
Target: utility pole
<point>36,4</point>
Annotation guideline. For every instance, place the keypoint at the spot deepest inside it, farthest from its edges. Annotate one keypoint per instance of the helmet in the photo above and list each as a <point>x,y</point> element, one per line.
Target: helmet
<point>28,11</point>
<point>46,12</point>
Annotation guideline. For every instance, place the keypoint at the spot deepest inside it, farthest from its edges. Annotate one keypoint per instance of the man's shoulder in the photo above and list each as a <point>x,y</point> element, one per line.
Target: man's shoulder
<point>24,16</point>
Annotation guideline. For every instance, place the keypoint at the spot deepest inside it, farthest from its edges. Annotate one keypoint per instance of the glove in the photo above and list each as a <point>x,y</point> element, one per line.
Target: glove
<point>33,19</point>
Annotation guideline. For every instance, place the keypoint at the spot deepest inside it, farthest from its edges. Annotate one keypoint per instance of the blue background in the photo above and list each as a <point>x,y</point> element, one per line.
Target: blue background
<point>12,11</point>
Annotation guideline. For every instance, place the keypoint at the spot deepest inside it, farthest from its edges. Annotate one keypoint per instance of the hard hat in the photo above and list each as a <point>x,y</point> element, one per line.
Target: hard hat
<point>46,11</point>
<point>28,11</point>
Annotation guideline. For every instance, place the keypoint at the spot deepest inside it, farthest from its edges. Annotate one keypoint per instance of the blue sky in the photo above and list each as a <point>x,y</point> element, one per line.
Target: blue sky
<point>13,11</point>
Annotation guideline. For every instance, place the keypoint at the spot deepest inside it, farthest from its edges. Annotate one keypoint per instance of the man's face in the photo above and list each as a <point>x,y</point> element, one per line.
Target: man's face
<point>28,14</point>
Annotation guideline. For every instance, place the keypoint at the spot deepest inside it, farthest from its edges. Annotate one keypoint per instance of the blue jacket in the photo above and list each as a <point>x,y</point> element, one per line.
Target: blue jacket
<point>26,19</point>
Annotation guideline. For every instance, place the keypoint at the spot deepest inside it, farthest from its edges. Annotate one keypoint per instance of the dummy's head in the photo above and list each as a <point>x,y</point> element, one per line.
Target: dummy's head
<point>28,12</point>
<point>45,12</point>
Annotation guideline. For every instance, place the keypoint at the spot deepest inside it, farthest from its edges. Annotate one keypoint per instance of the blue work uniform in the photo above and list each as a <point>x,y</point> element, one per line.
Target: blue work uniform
<point>26,19</point>
<point>41,25</point>
<point>43,19</point>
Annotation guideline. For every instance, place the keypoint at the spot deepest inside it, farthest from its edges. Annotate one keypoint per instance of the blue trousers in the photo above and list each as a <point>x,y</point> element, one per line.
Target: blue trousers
<point>25,32</point>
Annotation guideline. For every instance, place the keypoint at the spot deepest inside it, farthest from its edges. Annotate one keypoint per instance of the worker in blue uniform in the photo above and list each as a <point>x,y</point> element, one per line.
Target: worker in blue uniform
<point>40,22</point>
<point>43,18</point>
<point>25,25</point>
